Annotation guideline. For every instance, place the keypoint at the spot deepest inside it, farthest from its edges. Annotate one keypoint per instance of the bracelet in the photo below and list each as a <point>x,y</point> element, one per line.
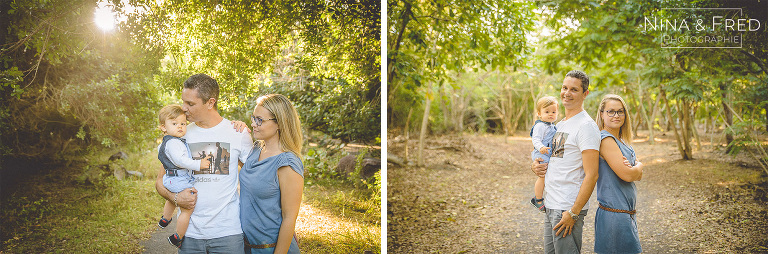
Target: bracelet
<point>174,199</point>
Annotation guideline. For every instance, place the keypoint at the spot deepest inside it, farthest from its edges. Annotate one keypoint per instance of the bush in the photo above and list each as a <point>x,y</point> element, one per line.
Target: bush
<point>335,107</point>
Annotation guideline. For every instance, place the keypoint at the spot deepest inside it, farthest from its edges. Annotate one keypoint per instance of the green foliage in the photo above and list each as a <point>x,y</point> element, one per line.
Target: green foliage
<point>105,87</point>
<point>70,86</point>
<point>106,211</point>
<point>425,47</point>
<point>328,191</point>
<point>242,44</point>
<point>11,78</point>
<point>107,122</point>
<point>319,164</point>
<point>335,107</point>
<point>375,188</point>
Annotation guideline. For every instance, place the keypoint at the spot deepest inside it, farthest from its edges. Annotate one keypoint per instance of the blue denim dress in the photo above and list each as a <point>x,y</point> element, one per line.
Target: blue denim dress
<point>616,232</point>
<point>260,208</point>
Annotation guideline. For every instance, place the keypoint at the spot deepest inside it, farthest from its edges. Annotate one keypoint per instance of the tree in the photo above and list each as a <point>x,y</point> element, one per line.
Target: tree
<point>61,79</point>
<point>430,39</point>
<point>611,47</point>
<point>310,49</point>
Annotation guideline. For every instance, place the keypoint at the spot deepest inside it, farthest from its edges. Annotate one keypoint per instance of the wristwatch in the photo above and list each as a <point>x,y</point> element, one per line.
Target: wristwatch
<point>573,215</point>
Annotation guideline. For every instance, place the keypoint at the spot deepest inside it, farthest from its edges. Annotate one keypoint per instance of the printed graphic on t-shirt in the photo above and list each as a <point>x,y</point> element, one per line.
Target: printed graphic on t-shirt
<point>558,144</point>
<point>216,152</point>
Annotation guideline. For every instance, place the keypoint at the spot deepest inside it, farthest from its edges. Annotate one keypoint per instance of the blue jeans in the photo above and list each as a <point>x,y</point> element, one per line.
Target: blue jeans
<point>557,243</point>
<point>227,244</point>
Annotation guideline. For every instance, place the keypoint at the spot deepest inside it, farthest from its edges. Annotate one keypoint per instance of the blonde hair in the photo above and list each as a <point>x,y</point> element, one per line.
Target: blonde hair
<point>169,112</point>
<point>544,102</point>
<point>625,131</point>
<point>288,122</point>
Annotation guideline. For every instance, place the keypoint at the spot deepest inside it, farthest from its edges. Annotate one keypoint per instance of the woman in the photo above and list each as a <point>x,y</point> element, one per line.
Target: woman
<point>272,178</point>
<point>615,225</point>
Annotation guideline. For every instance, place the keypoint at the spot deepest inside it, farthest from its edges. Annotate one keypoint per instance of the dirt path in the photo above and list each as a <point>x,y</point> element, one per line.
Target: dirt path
<point>473,197</point>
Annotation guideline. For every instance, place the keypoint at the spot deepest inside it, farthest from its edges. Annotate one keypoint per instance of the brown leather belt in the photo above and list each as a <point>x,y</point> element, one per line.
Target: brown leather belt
<point>616,210</point>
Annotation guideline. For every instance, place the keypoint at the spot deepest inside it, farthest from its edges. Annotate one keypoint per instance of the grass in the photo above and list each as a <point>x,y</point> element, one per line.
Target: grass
<point>339,219</point>
<point>56,212</point>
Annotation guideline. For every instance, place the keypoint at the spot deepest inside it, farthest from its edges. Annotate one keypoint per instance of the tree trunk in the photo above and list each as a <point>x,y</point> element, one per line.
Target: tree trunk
<point>522,109</point>
<point>669,116</point>
<point>694,130</point>
<point>407,132</point>
<point>685,127</point>
<point>447,123</point>
<point>405,17</point>
<point>728,116</point>
<point>648,119</point>
<point>638,121</point>
<point>670,121</point>
<point>708,120</point>
<point>424,123</point>
<point>461,108</point>
<point>656,110</point>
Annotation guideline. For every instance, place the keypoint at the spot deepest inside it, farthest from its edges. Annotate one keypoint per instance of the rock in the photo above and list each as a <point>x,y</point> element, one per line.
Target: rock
<point>348,163</point>
<point>370,167</point>
<point>118,171</point>
<point>118,156</point>
<point>391,158</point>
<point>399,139</point>
<point>136,174</point>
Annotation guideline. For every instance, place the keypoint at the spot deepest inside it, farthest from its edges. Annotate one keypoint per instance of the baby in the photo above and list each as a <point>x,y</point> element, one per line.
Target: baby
<point>178,163</point>
<point>542,133</point>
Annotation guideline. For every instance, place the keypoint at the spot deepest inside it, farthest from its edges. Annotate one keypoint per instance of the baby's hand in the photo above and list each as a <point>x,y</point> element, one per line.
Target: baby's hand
<point>239,126</point>
<point>626,162</point>
<point>544,150</point>
<point>205,164</point>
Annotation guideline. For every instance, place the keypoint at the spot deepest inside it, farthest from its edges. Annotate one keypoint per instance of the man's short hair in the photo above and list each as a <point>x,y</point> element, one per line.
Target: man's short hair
<point>581,76</point>
<point>206,86</point>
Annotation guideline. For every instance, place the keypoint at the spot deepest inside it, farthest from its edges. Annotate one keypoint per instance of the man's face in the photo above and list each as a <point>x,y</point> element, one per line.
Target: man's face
<point>572,93</point>
<point>193,106</point>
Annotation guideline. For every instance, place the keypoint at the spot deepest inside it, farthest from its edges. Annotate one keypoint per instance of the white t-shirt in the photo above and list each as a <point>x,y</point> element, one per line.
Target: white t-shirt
<point>565,172</point>
<point>217,212</point>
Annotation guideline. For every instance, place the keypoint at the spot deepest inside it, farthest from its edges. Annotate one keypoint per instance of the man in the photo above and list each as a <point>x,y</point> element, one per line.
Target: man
<point>571,173</point>
<point>218,158</point>
<point>215,225</point>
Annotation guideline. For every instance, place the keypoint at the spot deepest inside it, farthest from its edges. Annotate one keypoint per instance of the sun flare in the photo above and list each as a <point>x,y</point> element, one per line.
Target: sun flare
<point>104,17</point>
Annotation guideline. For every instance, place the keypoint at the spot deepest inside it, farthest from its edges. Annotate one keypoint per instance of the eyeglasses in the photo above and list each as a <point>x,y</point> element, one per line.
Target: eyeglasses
<point>258,120</point>
<point>612,113</point>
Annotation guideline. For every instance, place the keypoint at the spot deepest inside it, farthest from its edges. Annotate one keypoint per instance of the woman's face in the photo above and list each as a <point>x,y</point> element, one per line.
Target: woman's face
<point>613,114</point>
<point>268,128</point>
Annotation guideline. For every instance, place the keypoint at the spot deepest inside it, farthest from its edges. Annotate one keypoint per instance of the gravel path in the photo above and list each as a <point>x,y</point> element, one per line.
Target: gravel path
<point>158,242</point>
<point>472,196</point>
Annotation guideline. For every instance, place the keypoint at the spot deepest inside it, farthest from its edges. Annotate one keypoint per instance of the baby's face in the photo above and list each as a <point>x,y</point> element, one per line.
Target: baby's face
<point>176,127</point>
<point>549,113</point>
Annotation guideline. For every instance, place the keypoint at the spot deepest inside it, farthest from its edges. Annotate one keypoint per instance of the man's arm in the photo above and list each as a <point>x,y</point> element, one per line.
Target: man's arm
<point>590,159</point>
<point>185,199</point>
